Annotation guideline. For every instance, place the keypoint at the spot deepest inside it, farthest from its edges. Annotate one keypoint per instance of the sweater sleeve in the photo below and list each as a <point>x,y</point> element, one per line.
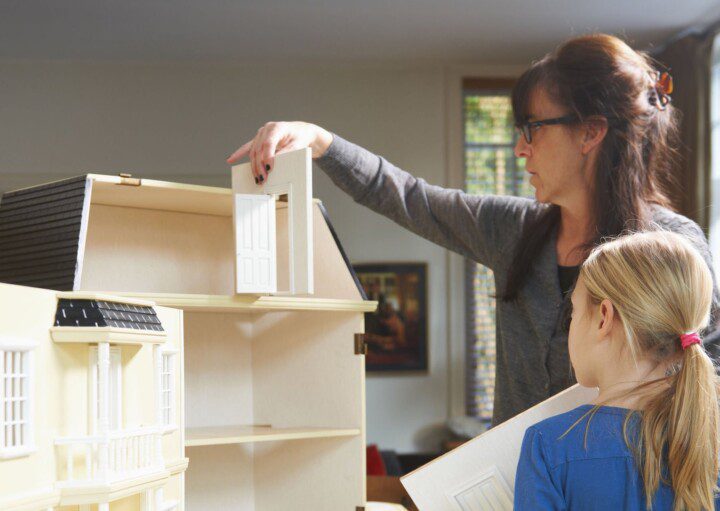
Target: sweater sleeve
<point>692,231</point>
<point>534,484</point>
<point>482,228</point>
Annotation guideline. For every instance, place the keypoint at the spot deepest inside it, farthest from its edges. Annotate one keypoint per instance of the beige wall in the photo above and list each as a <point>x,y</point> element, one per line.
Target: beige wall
<point>180,121</point>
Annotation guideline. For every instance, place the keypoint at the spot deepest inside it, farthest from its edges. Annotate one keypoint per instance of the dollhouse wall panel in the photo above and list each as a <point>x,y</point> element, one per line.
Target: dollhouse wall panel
<point>332,475</point>
<point>151,251</point>
<point>304,366</point>
<point>220,478</point>
<point>218,369</point>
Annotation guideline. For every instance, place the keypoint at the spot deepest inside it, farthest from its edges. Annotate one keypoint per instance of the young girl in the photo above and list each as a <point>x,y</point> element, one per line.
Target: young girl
<point>650,440</point>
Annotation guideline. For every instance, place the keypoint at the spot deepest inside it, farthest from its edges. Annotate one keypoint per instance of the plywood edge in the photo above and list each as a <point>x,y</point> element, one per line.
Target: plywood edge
<point>223,435</point>
<point>251,303</point>
<point>153,183</point>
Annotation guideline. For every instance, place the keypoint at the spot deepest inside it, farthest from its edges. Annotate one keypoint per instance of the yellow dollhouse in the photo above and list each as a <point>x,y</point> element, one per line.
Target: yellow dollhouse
<point>229,331</point>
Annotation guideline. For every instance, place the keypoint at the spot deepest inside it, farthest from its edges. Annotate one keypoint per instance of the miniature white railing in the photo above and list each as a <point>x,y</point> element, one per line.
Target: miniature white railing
<point>105,459</point>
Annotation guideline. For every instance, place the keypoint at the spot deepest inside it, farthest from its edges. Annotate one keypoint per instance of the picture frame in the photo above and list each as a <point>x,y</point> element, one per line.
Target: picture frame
<point>396,332</point>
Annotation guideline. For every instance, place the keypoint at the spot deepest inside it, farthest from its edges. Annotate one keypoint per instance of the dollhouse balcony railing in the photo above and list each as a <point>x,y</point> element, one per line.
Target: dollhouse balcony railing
<point>119,455</point>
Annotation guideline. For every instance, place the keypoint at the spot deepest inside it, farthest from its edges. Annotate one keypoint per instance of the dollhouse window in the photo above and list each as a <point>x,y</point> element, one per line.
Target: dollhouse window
<point>167,390</point>
<point>16,403</point>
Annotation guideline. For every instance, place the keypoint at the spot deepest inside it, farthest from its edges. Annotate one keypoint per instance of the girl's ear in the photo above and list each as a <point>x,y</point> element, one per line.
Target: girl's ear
<point>606,318</point>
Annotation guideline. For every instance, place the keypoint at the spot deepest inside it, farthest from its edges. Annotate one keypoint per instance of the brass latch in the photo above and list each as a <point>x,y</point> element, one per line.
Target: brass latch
<point>128,180</point>
<point>360,344</point>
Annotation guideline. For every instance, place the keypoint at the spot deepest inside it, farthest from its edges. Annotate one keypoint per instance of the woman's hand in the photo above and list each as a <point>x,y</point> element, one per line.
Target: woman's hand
<point>280,137</point>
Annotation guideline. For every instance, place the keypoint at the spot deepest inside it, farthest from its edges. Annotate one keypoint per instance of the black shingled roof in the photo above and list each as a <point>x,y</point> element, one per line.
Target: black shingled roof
<point>99,313</point>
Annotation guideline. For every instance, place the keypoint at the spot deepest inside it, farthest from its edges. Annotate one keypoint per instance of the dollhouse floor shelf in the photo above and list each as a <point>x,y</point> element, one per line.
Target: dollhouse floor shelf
<point>251,303</point>
<point>224,435</point>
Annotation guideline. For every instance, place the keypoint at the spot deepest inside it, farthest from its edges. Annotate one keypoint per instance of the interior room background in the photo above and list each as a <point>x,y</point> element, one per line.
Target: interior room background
<point>178,121</point>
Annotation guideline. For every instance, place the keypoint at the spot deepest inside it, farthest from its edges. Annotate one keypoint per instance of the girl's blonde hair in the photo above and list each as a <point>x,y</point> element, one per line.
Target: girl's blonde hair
<point>661,288</point>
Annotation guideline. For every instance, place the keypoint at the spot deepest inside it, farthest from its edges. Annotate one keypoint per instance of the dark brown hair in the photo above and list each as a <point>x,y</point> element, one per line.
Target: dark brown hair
<point>600,75</point>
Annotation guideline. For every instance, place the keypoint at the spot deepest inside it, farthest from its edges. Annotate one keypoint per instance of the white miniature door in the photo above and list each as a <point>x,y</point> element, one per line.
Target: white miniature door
<point>292,178</point>
<point>255,252</point>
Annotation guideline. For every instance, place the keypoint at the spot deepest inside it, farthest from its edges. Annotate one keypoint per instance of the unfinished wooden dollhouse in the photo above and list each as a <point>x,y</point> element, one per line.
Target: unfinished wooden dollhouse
<point>259,364</point>
<point>90,402</point>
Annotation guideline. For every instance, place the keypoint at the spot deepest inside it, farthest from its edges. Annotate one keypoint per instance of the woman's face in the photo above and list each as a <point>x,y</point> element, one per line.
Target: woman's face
<point>554,159</point>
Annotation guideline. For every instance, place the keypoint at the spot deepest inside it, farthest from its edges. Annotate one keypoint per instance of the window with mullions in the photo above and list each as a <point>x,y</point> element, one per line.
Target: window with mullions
<point>167,390</point>
<point>490,168</point>
<point>15,404</point>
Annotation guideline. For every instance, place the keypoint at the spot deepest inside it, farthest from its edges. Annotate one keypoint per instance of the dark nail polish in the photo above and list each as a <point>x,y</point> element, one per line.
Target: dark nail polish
<point>262,179</point>
<point>267,167</point>
<point>256,180</point>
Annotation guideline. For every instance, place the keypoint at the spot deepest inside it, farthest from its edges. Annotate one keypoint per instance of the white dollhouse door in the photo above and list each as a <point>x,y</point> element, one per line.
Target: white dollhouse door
<point>291,177</point>
<point>255,252</point>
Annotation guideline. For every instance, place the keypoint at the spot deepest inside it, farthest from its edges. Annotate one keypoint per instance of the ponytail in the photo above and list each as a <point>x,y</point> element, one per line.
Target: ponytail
<point>689,413</point>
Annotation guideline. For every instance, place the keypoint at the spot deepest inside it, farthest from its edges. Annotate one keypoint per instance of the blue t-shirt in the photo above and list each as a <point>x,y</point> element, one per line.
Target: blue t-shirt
<point>560,473</point>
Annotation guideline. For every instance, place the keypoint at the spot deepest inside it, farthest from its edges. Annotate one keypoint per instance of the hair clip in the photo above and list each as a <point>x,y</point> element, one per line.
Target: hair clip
<point>663,88</point>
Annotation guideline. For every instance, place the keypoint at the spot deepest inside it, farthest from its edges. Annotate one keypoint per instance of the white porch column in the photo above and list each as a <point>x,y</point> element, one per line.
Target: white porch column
<point>103,419</point>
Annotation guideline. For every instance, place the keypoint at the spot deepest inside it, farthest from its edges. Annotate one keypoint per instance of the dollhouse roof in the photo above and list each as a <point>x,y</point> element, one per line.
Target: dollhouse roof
<point>98,313</point>
<point>40,233</point>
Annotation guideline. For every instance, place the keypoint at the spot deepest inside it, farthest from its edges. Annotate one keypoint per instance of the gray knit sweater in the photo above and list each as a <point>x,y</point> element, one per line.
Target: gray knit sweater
<point>531,345</point>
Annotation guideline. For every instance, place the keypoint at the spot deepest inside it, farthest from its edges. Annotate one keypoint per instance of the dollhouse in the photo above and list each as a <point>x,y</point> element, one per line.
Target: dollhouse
<point>251,364</point>
<point>73,369</point>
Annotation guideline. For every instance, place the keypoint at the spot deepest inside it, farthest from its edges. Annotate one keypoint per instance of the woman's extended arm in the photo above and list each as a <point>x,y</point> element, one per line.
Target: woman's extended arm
<point>479,227</point>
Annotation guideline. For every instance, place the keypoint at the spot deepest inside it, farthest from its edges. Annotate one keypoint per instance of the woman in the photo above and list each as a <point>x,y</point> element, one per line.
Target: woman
<point>596,127</point>
<point>650,440</point>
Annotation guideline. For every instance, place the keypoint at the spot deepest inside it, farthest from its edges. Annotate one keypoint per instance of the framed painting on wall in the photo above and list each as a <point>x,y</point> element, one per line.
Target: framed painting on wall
<point>397,330</point>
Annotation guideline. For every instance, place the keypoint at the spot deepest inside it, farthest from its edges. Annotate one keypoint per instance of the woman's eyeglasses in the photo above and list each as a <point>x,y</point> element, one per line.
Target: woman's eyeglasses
<point>528,127</point>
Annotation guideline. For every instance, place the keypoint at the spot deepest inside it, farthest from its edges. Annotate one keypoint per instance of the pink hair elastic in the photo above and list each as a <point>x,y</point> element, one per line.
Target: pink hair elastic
<point>689,339</point>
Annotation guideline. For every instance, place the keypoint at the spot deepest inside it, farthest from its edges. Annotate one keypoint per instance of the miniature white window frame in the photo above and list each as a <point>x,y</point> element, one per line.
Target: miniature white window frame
<point>167,410</point>
<point>17,397</point>
<point>114,390</point>
<point>291,176</point>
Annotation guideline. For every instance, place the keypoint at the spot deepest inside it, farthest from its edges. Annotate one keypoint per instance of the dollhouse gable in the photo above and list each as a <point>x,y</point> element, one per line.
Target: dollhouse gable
<point>289,181</point>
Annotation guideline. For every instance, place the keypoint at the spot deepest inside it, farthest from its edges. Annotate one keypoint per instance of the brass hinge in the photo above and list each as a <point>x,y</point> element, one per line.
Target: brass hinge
<point>360,344</point>
<point>359,508</point>
<point>128,180</point>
